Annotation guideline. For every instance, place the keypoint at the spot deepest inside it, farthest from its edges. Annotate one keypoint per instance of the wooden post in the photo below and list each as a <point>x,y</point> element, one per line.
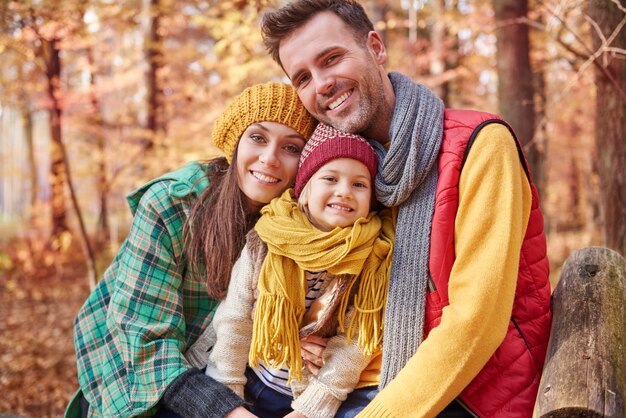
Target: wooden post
<point>585,370</point>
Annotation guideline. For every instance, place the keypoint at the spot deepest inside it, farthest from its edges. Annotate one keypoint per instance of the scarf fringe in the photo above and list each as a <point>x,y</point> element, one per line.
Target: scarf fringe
<point>294,246</point>
<point>275,338</point>
<point>367,322</point>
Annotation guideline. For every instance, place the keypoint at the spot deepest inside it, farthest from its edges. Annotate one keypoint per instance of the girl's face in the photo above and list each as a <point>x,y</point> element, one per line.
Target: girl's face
<point>267,161</point>
<point>338,194</point>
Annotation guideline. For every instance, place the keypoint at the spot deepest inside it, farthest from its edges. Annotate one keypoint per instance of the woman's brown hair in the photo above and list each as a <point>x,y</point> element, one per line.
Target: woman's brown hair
<point>215,232</point>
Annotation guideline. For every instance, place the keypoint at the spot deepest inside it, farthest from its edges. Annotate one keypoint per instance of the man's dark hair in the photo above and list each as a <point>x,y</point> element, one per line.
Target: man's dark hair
<point>278,24</point>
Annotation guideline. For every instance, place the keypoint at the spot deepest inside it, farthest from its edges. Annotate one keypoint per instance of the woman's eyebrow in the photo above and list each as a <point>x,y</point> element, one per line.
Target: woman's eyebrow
<point>259,125</point>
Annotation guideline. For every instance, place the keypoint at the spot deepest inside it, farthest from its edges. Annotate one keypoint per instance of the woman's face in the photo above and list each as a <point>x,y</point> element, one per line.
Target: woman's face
<point>267,161</point>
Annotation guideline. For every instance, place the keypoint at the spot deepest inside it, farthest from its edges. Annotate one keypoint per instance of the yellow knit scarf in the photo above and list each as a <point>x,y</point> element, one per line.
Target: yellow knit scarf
<point>294,246</point>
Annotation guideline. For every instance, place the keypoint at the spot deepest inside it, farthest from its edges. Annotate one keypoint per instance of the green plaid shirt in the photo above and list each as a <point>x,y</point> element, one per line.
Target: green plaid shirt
<point>131,333</point>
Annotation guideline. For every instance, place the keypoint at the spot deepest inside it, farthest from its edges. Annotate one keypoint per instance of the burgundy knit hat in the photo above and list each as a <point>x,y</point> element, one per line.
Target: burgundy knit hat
<point>327,144</point>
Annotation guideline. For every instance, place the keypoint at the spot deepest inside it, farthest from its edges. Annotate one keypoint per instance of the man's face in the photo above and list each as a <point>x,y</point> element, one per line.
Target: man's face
<point>338,80</point>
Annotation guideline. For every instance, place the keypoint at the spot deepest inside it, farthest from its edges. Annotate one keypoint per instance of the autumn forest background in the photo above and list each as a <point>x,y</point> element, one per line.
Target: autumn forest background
<point>98,96</point>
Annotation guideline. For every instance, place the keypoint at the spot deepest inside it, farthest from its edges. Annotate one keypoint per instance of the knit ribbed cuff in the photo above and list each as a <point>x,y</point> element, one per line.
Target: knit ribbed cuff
<point>317,401</point>
<point>196,395</point>
<point>375,409</point>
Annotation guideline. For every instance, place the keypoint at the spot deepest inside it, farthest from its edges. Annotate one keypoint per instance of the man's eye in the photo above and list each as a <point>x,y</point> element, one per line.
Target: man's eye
<point>302,80</point>
<point>332,59</point>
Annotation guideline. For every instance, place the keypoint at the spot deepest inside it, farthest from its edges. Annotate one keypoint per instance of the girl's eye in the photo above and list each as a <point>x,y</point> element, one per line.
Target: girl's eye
<point>360,185</point>
<point>329,178</point>
<point>292,149</point>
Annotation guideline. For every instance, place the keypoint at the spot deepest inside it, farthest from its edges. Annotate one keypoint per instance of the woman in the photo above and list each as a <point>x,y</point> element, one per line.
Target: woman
<point>316,263</point>
<point>164,285</point>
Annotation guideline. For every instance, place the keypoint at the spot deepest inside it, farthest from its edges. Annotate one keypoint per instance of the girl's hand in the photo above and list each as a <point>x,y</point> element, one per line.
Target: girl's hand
<point>240,412</point>
<point>295,414</point>
<point>312,349</point>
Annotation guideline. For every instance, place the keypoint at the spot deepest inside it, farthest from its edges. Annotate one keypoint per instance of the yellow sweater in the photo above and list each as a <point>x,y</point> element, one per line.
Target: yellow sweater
<point>494,207</point>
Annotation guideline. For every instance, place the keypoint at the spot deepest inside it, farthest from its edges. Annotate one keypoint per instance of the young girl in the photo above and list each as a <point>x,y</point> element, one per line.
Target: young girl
<point>309,267</point>
<point>188,229</point>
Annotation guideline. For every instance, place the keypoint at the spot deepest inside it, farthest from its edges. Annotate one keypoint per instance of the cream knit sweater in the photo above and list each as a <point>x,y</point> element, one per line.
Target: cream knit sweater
<point>320,396</point>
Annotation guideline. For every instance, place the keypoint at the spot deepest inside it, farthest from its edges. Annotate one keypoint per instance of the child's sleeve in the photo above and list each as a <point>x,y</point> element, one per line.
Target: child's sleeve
<point>343,363</point>
<point>233,326</point>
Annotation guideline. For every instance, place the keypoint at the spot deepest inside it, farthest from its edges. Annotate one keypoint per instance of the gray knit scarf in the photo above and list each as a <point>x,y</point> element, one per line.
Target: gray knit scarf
<point>408,178</point>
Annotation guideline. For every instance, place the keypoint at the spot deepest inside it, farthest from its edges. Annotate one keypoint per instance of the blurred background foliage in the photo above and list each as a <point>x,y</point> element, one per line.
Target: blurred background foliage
<point>98,96</point>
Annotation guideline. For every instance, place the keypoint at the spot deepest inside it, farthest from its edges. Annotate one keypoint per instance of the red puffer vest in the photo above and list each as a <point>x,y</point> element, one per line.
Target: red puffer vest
<point>507,385</point>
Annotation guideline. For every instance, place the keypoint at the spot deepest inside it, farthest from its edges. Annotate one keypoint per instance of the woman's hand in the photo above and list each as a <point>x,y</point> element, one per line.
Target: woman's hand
<point>240,412</point>
<point>312,348</point>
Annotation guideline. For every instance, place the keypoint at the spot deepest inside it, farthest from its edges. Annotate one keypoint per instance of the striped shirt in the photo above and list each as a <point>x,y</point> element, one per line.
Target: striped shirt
<point>277,378</point>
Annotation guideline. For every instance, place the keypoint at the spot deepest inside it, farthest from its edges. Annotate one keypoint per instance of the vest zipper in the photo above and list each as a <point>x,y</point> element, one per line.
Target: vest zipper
<point>467,408</point>
<point>520,333</point>
<point>431,283</point>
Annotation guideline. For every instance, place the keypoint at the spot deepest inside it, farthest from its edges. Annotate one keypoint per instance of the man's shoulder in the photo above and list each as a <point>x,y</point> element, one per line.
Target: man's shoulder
<point>464,127</point>
<point>468,117</point>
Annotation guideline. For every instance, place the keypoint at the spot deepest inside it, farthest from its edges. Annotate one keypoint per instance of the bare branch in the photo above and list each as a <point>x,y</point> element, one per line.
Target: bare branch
<point>619,5</point>
<point>520,20</point>
<point>596,27</point>
<point>616,50</point>
<point>602,49</point>
<point>593,57</point>
<point>578,54</point>
<point>566,26</point>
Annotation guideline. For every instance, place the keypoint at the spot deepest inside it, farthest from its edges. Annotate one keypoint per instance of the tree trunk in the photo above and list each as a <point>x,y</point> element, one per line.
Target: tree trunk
<point>60,171</point>
<point>27,126</point>
<point>539,64</point>
<point>58,176</point>
<point>412,18</point>
<point>154,56</point>
<point>610,76</point>
<point>102,183</point>
<point>438,37</point>
<point>515,87</point>
<point>585,370</point>
<point>103,225</point>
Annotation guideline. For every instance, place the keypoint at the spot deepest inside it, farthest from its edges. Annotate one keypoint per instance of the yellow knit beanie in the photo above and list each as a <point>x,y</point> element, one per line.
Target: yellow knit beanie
<point>269,102</point>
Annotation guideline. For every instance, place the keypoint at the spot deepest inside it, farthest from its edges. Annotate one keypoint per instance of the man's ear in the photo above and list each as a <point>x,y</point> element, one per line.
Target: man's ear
<point>376,46</point>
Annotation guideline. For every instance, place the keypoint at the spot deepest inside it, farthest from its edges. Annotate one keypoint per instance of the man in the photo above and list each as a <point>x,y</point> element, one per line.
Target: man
<point>468,312</point>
